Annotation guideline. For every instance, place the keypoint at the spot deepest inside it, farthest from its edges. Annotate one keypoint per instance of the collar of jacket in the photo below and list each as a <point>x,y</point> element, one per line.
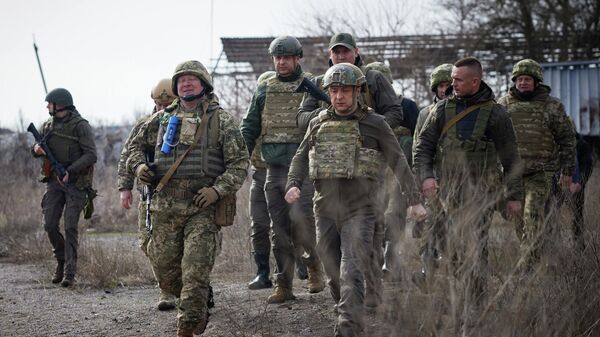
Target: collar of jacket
<point>484,93</point>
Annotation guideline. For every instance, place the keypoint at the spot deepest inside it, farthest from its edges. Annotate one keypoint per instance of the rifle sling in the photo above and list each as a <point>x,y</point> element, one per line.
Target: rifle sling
<point>462,115</point>
<point>203,124</point>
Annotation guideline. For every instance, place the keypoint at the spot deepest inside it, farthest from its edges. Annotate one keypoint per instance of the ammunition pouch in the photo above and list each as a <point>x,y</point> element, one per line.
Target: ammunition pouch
<point>225,210</point>
<point>88,207</point>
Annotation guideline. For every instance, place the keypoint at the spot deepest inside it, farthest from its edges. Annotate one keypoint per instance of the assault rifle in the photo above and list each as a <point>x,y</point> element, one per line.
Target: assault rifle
<point>147,194</point>
<point>55,165</point>
<point>308,86</point>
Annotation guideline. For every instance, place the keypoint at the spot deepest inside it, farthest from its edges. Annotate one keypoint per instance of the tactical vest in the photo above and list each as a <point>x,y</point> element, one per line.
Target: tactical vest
<point>204,160</point>
<point>337,152</point>
<point>477,154</point>
<point>534,137</point>
<point>278,122</point>
<point>63,141</point>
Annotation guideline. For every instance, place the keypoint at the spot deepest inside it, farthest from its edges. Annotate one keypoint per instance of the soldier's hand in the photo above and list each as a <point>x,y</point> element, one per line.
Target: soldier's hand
<point>205,197</point>
<point>145,174</point>
<point>37,149</point>
<point>292,195</point>
<point>575,188</point>
<point>64,180</point>
<point>514,209</point>
<point>429,188</point>
<point>416,212</point>
<point>566,181</point>
<point>126,199</point>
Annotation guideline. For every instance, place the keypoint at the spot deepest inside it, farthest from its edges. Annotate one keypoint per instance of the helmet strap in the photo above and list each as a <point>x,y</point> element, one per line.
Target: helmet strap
<point>190,98</point>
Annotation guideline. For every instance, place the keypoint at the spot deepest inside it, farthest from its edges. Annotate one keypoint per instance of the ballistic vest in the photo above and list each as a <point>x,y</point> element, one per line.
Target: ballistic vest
<point>278,121</point>
<point>206,157</point>
<point>337,152</point>
<point>62,140</point>
<point>475,155</point>
<point>534,137</point>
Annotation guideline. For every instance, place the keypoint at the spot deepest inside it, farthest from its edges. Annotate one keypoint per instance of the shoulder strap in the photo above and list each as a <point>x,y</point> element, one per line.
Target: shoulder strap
<point>203,124</point>
<point>462,115</point>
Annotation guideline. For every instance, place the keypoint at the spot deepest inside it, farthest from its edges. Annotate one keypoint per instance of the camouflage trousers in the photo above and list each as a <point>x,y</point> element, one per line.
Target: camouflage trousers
<point>532,230</point>
<point>345,247</point>
<point>144,238</point>
<point>56,199</point>
<point>293,225</point>
<point>182,251</point>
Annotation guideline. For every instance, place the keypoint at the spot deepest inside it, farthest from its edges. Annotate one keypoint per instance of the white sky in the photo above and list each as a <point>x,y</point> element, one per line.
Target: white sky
<point>110,53</point>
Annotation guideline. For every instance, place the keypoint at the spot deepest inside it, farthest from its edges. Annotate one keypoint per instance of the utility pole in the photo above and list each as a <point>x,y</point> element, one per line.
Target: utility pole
<point>37,56</point>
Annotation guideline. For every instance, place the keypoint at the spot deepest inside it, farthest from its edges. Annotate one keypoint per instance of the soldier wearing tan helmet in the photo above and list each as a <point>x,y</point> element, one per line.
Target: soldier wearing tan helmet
<point>162,95</point>
<point>546,140</point>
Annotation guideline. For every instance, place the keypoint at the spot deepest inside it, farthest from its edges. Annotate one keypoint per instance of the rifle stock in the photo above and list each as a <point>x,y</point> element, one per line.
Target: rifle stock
<point>308,86</point>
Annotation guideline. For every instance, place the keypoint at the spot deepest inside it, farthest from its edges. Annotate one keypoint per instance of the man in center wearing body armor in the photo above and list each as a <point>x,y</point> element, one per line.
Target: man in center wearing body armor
<point>271,118</point>
<point>344,152</point>
<point>546,139</point>
<point>163,96</point>
<point>379,95</point>
<point>185,234</point>
<point>430,232</point>
<point>464,138</point>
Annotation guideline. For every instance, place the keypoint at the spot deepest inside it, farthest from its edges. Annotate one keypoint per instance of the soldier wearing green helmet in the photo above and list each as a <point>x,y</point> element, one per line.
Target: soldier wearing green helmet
<point>271,122</point>
<point>196,174</point>
<point>546,140</point>
<point>71,141</point>
<point>345,181</point>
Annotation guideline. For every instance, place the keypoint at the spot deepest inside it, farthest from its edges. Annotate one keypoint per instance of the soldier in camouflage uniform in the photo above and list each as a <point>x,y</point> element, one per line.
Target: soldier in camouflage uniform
<point>430,233</point>
<point>71,141</point>
<point>163,96</point>
<point>185,234</point>
<point>344,152</point>
<point>464,138</point>
<point>546,139</point>
<point>271,120</point>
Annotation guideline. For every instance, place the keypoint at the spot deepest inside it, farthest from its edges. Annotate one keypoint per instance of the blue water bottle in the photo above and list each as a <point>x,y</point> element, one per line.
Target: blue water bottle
<point>167,144</point>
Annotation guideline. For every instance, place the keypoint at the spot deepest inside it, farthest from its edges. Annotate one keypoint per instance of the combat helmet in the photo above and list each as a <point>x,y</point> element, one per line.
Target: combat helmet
<point>163,92</point>
<point>60,96</point>
<point>343,74</point>
<point>192,68</point>
<point>382,68</point>
<point>527,67</point>
<point>265,76</point>
<point>285,45</point>
<point>441,73</point>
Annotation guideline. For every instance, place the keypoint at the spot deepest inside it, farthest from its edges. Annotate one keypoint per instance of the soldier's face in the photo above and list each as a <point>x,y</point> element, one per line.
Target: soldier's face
<point>464,81</point>
<point>341,54</point>
<point>343,98</point>
<point>189,85</point>
<point>525,83</point>
<point>285,64</point>
<point>441,89</point>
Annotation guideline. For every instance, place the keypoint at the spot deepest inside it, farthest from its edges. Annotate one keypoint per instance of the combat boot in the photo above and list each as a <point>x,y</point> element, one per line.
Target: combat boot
<point>280,295</point>
<point>59,272</point>
<point>316,281</point>
<point>261,281</point>
<point>202,325</point>
<point>166,301</point>
<point>68,281</point>
<point>185,332</point>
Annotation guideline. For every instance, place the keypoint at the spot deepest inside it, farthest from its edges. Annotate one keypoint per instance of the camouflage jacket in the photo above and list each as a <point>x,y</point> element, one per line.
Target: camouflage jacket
<point>499,130</point>
<point>423,114</point>
<point>251,126</point>
<point>341,198</point>
<point>554,119</point>
<point>126,178</point>
<point>385,101</point>
<point>235,154</point>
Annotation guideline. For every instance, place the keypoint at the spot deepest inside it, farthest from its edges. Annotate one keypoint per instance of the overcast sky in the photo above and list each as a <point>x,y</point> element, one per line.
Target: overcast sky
<point>109,53</point>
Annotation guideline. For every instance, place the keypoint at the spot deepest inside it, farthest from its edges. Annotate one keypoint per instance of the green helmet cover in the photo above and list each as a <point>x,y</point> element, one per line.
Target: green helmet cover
<point>60,96</point>
<point>192,68</point>
<point>285,45</point>
<point>527,67</point>
<point>441,73</point>
<point>382,68</point>
<point>344,74</point>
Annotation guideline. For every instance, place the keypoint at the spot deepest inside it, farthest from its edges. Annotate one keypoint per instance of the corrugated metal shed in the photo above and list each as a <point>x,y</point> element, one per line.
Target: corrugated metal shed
<point>577,84</point>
